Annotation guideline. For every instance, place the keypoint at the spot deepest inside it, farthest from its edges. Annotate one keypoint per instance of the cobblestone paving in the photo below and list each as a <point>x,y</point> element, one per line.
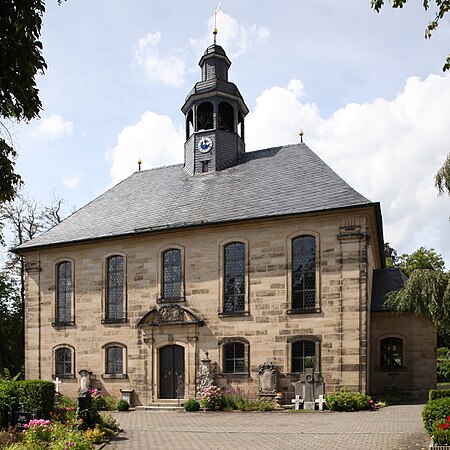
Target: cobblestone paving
<point>394,427</point>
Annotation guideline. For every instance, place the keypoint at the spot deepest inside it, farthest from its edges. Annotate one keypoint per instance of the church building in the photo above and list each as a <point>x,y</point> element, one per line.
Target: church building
<point>238,258</point>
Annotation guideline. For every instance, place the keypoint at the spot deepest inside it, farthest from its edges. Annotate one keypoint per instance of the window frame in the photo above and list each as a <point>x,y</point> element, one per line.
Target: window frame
<point>161,252</point>
<point>106,348</point>
<point>106,319</point>
<point>223,343</point>
<point>290,273</point>
<point>55,364</point>
<point>222,278</point>
<point>399,339</point>
<point>57,322</point>
<point>289,352</point>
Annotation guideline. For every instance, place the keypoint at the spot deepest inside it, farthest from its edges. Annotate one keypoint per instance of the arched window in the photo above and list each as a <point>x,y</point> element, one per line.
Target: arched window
<point>226,117</point>
<point>204,117</point>
<point>303,355</point>
<point>391,353</point>
<point>234,358</point>
<point>304,273</point>
<point>172,275</point>
<point>115,288</point>
<point>63,362</point>
<point>114,360</point>
<point>234,277</point>
<point>64,292</point>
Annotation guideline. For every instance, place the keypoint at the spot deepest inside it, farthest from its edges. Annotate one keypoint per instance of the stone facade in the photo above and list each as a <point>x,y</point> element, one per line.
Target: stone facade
<point>343,243</point>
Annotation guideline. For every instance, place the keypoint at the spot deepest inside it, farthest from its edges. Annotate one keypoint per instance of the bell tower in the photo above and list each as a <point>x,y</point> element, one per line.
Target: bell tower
<point>214,111</point>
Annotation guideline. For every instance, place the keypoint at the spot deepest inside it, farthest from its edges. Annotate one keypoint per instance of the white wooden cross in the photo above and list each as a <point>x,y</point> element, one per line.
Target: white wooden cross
<point>320,402</point>
<point>57,383</point>
<point>296,400</point>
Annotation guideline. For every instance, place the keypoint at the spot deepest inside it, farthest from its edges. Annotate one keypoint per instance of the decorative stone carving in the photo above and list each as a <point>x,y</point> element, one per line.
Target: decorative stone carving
<point>204,375</point>
<point>268,379</point>
<point>170,313</point>
<point>85,381</point>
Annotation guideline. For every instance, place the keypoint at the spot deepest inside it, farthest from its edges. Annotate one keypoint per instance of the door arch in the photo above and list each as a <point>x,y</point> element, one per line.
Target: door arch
<point>171,371</point>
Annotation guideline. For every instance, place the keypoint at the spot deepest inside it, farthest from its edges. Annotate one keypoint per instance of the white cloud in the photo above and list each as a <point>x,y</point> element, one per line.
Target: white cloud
<point>169,70</point>
<point>235,38</point>
<point>53,127</point>
<point>387,150</point>
<point>154,139</point>
<point>72,181</point>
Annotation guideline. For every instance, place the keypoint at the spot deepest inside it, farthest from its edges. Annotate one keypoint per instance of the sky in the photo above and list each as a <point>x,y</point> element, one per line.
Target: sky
<point>367,89</point>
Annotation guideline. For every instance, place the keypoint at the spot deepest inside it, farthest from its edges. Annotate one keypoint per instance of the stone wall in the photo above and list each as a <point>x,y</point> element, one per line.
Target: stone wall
<point>418,374</point>
<point>340,325</point>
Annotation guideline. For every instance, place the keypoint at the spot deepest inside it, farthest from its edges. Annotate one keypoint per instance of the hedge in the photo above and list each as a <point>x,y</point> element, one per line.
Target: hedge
<point>26,395</point>
<point>435,411</point>
<point>438,393</point>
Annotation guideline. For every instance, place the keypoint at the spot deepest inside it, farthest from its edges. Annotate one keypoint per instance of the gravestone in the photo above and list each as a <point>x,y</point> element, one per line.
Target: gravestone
<point>20,418</point>
<point>268,379</point>
<point>204,375</point>
<point>57,383</point>
<point>84,399</point>
<point>309,388</point>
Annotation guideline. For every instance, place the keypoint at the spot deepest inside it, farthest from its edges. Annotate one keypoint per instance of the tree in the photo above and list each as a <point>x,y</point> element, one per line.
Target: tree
<point>442,6</point>
<point>420,259</point>
<point>442,177</point>
<point>20,60</point>
<point>427,290</point>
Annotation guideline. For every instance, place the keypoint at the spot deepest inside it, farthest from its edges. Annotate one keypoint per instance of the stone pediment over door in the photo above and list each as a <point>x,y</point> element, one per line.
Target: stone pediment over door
<point>167,315</point>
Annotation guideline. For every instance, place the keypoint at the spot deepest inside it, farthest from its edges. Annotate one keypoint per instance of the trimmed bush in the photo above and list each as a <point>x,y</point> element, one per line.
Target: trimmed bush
<point>26,395</point>
<point>345,400</point>
<point>191,405</point>
<point>438,393</point>
<point>435,412</point>
<point>123,405</point>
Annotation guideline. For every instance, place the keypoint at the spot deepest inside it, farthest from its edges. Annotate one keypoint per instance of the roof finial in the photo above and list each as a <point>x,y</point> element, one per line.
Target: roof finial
<point>139,164</point>
<point>301,136</point>
<point>215,22</point>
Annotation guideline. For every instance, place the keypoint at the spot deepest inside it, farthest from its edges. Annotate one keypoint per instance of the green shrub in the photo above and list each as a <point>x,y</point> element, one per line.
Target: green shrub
<point>435,412</point>
<point>345,400</point>
<point>35,394</point>
<point>255,405</point>
<point>122,405</point>
<point>108,424</point>
<point>191,405</point>
<point>438,393</point>
<point>443,370</point>
<point>110,402</point>
<point>441,352</point>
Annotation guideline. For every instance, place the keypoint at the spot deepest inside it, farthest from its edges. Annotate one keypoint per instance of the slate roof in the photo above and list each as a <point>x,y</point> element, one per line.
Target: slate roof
<point>266,183</point>
<point>385,281</point>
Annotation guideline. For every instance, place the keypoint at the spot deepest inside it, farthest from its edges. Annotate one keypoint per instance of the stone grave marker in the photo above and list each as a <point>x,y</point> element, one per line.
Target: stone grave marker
<point>268,379</point>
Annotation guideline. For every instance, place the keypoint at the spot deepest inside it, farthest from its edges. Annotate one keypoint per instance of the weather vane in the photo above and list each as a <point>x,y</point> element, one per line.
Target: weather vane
<point>215,22</point>
<point>139,164</point>
<point>301,136</point>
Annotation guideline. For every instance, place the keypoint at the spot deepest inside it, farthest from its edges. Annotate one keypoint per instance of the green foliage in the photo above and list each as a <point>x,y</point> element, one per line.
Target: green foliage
<point>441,352</point>
<point>122,405</point>
<point>442,177</point>
<point>211,398</point>
<point>438,393</point>
<point>108,424</point>
<point>441,437</point>
<point>255,405</point>
<point>420,259</point>
<point>191,405</point>
<point>7,399</point>
<point>434,412</point>
<point>9,436</point>
<point>9,180</point>
<point>443,370</point>
<point>11,326</point>
<point>426,293</point>
<point>442,7</point>
<point>110,402</point>
<point>345,400</point>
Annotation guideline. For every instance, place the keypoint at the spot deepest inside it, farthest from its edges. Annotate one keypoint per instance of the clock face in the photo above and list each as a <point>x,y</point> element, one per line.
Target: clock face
<point>205,144</point>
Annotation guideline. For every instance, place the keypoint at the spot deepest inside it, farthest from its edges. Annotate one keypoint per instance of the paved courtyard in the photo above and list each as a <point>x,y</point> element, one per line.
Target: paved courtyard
<point>394,427</point>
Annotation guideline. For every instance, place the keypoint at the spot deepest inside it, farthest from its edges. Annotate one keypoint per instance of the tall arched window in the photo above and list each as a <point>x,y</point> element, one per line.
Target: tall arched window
<point>114,360</point>
<point>64,292</point>
<point>115,288</point>
<point>304,273</point>
<point>63,362</point>
<point>391,353</point>
<point>172,275</point>
<point>234,277</point>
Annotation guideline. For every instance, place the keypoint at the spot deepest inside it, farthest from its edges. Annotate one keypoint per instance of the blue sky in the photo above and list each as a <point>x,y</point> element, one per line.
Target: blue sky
<point>366,88</point>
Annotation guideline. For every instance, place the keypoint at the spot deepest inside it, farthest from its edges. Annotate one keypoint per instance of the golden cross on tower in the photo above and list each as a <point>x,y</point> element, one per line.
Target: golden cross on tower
<point>216,10</point>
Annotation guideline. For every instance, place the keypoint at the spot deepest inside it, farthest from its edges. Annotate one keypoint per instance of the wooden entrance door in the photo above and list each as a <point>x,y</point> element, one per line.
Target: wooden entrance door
<point>171,371</point>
